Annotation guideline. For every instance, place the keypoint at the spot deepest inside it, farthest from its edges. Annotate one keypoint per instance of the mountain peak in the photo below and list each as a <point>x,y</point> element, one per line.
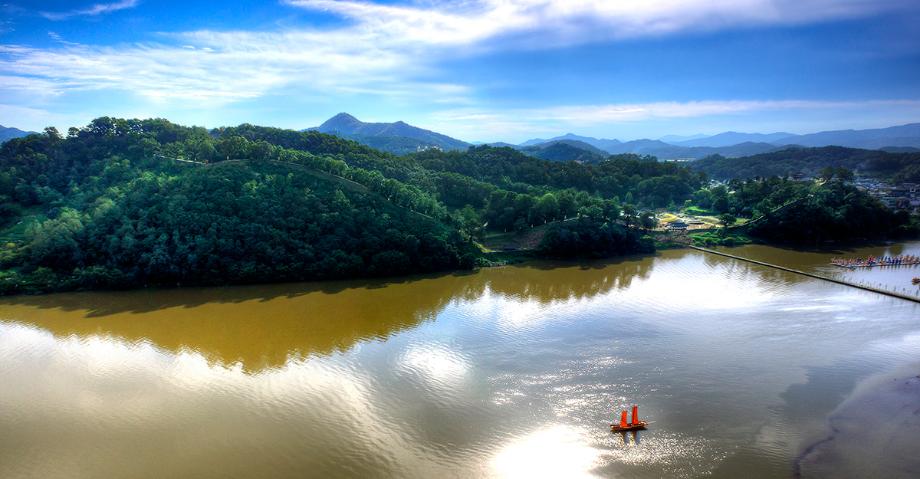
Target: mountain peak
<point>8,133</point>
<point>398,137</point>
<point>343,116</point>
<point>341,122</point>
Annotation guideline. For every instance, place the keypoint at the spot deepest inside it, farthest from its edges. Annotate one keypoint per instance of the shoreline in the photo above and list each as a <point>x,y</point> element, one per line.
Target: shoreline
<point>494,259</point>
<point>880,419</point>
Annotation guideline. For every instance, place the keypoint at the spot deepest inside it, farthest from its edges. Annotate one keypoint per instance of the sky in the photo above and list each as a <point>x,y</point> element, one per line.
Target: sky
<point>478,70</point>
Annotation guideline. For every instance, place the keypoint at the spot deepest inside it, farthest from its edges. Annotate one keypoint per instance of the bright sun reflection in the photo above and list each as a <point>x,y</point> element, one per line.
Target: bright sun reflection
<point>722,288</point>
<point>553,452</point>
<point>512,313</point>
<point>436,363</point>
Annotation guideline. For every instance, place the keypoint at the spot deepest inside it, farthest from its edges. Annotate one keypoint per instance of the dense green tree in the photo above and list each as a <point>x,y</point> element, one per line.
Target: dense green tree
<point>124,203</point>
<point>587,237</point>
<point>813,213</point>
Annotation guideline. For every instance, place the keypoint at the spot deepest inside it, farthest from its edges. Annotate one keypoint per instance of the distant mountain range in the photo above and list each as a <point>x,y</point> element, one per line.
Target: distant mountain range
<point>734,144</point>
<point>398,138</point>
<point>673,139</point>
<point>657,148</point>
<point>730,138</point>
<point>605,145</point>
<point>7,133</point>
<point>401,138</point>
<point>876,138</point>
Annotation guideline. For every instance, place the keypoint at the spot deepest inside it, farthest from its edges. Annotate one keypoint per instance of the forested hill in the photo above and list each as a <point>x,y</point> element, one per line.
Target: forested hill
<point>566,150</point>
<point>109,206</point>
<point>129,203</point>
<point>810,161</point>
<point>8,133</point>
<point>398,137</point>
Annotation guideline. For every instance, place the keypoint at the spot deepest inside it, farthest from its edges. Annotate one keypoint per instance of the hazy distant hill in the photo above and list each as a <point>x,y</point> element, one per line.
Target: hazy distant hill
<point>8,133</point>
<point>399,137</point>
<point>599,143</point>
<point>877,138</point>
<point>735,144</point>
<point>666,151</point>
<point>674,139</point>
<point>904,135</point>
<point>810,161</point>
<point>900,149</point>
<point>730,138</point>
<point>656,148</point>
<point>566,150</point>
<point>652,147</point>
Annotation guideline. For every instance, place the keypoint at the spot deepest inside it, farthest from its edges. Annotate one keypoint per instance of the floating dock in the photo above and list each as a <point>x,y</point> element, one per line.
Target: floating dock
<point>852,264</point>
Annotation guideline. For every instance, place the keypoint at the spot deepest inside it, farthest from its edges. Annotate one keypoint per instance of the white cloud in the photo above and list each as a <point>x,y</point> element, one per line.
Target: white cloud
<point>387,51</point>
<point>593,114</point>
<point>443,22</point>
<point>221,67</point>
<point>36,118</point>
<point>91,11</point>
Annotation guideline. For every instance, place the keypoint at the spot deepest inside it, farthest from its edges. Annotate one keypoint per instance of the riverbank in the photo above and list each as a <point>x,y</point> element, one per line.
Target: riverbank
<point>811,262</point>
<point>881,418</point>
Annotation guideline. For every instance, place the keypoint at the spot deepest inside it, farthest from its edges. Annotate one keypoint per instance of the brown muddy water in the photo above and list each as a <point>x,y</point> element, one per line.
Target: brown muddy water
<point>505,372</point>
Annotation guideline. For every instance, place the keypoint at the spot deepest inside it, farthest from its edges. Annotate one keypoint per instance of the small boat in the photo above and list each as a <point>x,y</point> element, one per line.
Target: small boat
<point>915,281</point>
<point>635,425</point>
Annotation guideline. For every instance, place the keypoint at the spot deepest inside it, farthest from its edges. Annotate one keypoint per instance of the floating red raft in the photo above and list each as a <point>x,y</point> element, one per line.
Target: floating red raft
<point>635,425</point>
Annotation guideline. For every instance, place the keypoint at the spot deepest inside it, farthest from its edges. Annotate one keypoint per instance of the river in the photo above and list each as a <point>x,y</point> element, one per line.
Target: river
<point>513,371</point>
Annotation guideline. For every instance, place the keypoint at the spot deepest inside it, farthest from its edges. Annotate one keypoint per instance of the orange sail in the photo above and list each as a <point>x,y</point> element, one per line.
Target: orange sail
<point>635,425</point>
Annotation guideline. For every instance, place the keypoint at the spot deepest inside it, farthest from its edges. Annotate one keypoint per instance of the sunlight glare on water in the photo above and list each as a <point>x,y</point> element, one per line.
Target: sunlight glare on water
<point>505,372</point>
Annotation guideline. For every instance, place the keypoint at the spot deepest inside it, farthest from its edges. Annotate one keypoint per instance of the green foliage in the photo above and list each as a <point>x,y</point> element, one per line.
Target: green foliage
<point>123,212</point>
<point>718,238</point>
<point>787,211</point>
<point>125,203</point>
<point>617,177</point>
<point>567,150</point>
<point>834,211</point>
<point>237,223</point>
<point>590,238</point>
<point>727,219</point>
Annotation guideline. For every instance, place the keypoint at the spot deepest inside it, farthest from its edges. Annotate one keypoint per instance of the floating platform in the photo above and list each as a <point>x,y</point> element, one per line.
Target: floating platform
<point>873,261</point>
<point>874,265</point>
<point>639,426</point>
<point>635,425</point>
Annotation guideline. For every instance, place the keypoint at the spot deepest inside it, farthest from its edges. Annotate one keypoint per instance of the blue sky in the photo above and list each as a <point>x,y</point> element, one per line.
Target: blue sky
<point>479,70</point>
